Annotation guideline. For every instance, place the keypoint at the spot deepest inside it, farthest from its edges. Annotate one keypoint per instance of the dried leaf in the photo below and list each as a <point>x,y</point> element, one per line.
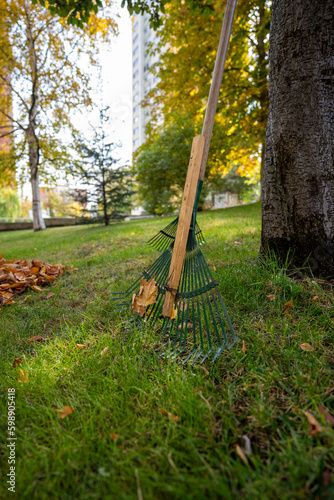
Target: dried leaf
<point>23,376</point>
<point>65,410</point>
<point>214,268</point>
<point>241,454</point>
<point>49,295</point>
<point>174,313</point>
<point>35,287</point>
<point>288,304</point>
<point>244,349</point>
<point>271,297</point>
<point>81,346</point>
<point>34,270</point>
<point>172,417</point>
<point>135,307</point>
<point>114,436</point>
<point>147,293</point>
<point>17,362</point>
<point>315,298</point>
<point>184,324</point>
<point>105,351</point>
<point>315,427</point>
<point>306,347</point>
<point>328,417</point>
<point>36,338</point>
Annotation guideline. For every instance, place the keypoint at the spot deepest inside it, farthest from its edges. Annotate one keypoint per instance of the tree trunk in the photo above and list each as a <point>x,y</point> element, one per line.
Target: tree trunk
<point>38,222</point>
<point>298,173</point>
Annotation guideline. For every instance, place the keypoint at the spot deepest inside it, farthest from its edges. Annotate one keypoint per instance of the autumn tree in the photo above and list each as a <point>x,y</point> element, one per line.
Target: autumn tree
<point>298,174</point>
<point>185,70</point>
<point>39,68</point>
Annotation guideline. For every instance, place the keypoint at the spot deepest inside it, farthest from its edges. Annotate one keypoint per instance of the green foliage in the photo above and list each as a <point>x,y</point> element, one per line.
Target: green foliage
<point>160,167</point>
<point>78,12</point>
<point>9,203</point>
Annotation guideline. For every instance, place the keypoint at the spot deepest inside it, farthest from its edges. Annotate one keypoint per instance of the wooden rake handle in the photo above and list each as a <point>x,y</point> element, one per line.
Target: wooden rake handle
<point>183,226</point>
<point>197,164</point>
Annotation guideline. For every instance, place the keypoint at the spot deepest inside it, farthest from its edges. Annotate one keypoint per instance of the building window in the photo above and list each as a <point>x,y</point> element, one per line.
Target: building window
<point>135,62</point>
<point>136,130</point>
<point>135,39</point>
<point>136,25</point>
<point>136,97</point>
<point>146,67</point>
<point>136,108</point>
<point>136,50</point>
<point>136,85</point>
<point>135,74</point>
<point>135,142</point>
<point>136,119</point>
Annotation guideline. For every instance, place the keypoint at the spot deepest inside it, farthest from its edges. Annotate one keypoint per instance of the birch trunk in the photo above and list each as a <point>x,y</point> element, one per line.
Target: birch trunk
<point>298,173</point>
<point>38,222</point>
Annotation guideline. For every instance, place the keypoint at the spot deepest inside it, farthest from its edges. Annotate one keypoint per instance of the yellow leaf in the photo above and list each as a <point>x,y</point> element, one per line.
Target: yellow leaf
<point>315,427</point>
<point>34,270</point>
<point>241,454</point>
<point>23,376</point>
<point>135,306</point>
<point>105,351</point>
<point>306,347</point>
<point>147,293</point>
<point>174,313</point>
<point>65,410</point>
<point>288,304</point>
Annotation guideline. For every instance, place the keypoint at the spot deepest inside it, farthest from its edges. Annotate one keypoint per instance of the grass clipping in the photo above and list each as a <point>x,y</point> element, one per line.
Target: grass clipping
<point>17,276</point>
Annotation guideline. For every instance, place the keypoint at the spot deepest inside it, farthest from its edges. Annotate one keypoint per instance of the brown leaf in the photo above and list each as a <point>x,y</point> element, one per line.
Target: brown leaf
<point>288,304</point>
<point>328,417</point>
<point>244,349</point>
<point>315,427</point>
<point>64,411</point>
<point>315,298</point>
<point>306,347</point>
<point>49,295</point>
<point>175,418</point>
<point>36,338</point>
<point>114,436</point>
<point>35,287</point>
<point>34,270</point>
<point>136,307</point>
<point>271,297</point>
<point>80,346</point>
<point>23,376</point>
<point>184,324</point>
<point>105,351</point>
<point>17,362</point>
<point>214,268</point>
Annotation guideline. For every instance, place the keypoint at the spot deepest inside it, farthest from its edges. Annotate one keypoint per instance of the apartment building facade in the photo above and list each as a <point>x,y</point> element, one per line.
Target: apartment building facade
<point>142,78</point>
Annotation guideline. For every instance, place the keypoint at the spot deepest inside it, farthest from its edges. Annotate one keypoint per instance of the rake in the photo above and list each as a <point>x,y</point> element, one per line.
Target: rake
<point>178,293</point>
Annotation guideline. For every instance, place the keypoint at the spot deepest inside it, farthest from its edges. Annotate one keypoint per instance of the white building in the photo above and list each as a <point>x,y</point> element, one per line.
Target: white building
<point>142,78</point>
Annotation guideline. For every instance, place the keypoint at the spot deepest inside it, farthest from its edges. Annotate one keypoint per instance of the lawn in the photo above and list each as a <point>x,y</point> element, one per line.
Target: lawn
<point>243,423</point>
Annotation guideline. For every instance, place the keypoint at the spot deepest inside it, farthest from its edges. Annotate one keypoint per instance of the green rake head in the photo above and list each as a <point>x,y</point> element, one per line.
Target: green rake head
<point>166,237</point>
<point>202,327</point>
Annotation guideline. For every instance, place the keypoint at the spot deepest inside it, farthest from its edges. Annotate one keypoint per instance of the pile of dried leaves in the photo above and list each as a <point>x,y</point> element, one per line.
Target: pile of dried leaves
<point>16,276</point>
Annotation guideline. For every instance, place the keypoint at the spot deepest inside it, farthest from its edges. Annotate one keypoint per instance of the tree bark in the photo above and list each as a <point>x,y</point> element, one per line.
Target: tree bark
<point>298,173</point>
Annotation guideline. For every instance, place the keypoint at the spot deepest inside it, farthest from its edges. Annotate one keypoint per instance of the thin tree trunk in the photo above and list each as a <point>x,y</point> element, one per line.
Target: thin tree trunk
<point>298,173</point>
<point>38,222</point>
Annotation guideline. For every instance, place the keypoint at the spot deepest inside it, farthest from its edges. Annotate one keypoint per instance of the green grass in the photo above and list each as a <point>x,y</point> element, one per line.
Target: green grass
<point>261,395</point>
